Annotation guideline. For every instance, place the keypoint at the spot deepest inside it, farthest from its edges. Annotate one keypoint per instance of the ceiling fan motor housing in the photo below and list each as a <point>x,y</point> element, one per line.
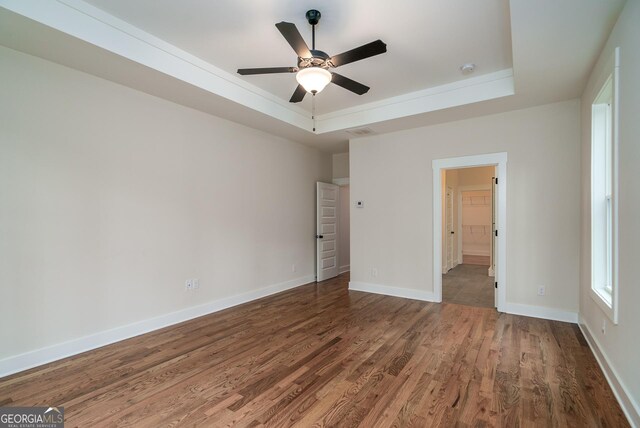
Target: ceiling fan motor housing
<point>313,16</point>
<point>318,59</point>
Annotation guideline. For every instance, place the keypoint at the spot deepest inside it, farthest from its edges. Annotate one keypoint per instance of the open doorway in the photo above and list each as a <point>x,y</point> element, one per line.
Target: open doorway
<point>469,253</point>
<point>468,225</point>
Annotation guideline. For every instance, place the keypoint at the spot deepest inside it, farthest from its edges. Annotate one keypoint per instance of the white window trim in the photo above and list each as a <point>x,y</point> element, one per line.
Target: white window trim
<point>606,297</point>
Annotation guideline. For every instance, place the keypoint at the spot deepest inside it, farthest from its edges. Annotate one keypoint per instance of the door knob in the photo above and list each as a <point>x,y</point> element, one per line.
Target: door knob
<point>319,236</point>
<point>452,232</point>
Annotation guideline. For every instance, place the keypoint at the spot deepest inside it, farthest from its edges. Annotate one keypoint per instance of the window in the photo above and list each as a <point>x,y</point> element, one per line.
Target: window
<point>603,197</point>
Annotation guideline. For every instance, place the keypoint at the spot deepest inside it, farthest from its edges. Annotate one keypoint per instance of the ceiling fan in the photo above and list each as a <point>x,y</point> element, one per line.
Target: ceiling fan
<point>313,65</point>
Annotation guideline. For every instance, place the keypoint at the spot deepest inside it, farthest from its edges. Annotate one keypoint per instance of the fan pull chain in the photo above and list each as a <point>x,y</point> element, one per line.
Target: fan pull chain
<point>313,111</point>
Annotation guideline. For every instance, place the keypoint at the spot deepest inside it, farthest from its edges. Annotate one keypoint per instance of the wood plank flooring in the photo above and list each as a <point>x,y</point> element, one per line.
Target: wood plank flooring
<point>319,355</point>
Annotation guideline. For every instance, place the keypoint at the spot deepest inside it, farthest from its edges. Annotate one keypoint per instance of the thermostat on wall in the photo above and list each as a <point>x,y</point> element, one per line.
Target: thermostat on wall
<point>359,204</point>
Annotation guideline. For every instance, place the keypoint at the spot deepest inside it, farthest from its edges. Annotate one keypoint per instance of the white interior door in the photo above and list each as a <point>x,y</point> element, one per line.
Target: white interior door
<point>494,240</point>
<point>327,231</point>
<point>494,210</point>
<point>449,227</point>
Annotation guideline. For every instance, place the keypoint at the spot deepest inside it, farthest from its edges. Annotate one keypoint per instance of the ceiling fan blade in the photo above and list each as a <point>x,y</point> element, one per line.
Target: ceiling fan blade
<point>349,84</point>
<point>365,51</point>
<point>292,35</point>
<point>298,94</point>
<point>267,70</point>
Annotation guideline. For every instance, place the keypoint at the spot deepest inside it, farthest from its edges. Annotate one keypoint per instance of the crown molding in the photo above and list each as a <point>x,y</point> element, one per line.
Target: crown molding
<point>92,25</point>
<point>96,27</point>
<point>468,91</point>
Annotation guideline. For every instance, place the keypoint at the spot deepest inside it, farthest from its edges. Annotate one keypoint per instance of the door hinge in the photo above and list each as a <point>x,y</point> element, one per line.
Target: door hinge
<point>496,284</point>
<point>496,232</point>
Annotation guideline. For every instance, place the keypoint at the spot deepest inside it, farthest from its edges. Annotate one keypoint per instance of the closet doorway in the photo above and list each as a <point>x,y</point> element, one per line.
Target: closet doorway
<point>468,276</point>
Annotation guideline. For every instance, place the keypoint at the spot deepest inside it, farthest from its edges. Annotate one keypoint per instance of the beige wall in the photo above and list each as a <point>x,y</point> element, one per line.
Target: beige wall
<point>110,199</point>
<point>620,344</point>
<point>341,165</point>
<point>344,248</point>
<point>392,174</point>
<point>480,176</point>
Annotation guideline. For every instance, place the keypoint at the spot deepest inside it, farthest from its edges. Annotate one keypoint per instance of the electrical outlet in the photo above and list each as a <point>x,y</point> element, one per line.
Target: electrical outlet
<point>188,285</point>
<point>374,272</point>
<point>196,283</point>
<point>604,326</point>
<point>541,290</point>
<point>293,268</point>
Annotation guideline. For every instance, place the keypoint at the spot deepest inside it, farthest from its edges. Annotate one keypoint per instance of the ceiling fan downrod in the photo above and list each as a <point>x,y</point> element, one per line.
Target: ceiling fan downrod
<point>313,16</point>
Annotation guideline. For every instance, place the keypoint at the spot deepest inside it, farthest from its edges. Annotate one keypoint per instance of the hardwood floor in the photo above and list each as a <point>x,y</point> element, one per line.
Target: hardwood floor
<point>469,285</point>
<point>320,354</point>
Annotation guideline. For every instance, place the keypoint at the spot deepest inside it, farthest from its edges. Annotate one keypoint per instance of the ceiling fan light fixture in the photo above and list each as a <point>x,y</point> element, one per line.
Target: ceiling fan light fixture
<point>313,79</point>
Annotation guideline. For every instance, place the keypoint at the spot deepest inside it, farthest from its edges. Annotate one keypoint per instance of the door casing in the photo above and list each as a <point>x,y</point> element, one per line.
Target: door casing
<point>499,160</point>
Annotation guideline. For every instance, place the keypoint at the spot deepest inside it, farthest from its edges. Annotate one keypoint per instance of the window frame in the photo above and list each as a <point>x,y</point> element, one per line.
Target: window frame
<point>604,285</point>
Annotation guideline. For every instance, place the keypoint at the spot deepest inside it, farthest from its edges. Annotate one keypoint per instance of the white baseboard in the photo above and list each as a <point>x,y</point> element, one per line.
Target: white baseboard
<point>541,312</point>
<point>477,253</point>
<point>630,408</point>
<point>27,360</point>
<point>343,269</point>
<point>511,308</point>
<point>408,293</point>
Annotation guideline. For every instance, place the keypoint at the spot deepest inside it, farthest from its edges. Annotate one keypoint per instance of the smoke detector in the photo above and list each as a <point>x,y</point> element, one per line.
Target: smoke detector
<point>467,68</point>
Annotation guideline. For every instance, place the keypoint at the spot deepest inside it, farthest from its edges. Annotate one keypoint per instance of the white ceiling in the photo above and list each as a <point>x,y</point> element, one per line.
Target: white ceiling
<point>427,40</point>
<point>527,52</point>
